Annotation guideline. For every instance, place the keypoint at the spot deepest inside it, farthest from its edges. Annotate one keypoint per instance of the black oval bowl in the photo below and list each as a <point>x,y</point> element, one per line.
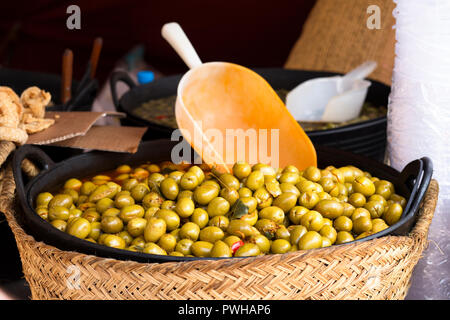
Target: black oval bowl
<point>412,183</point>
<point>278,78</point>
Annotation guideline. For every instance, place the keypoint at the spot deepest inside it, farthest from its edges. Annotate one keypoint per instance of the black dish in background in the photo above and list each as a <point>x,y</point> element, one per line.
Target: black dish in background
<point>414,181</point>
<point>278,78</point>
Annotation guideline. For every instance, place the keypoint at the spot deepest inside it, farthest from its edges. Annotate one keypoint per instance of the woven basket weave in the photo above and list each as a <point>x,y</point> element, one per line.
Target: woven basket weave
<point>336,38</point>
<point>376,269</point>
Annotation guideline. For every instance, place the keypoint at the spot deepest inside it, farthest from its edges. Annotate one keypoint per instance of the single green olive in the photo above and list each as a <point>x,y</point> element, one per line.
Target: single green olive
<point>310,240</point>
<point>285,201</point>
<point>184,246</point>
<point>347,173</point>
<point>309,199</point>
<point>211,234</point>
<point>111,224</point>
<point>360,212</point>
<point>126,236</point>
<point>375,208</point>
<point>79,227</point>
<point>138,241</point>
<point>229,181</point>
<point>379,198</point>
<point>168,205</point>
<point>104,204</point>
<point>378,225</point>
<point>111,212</point>
<point>231,240</point>
<point>155,179</point>
<point>291,168</point>
<point>282,233</point>
<point>289,187</point>
<point>72,193</point>
<point>261,241</point>
<point>185,207</point>
<point>169,188</point>
<point>123,200</point>
<point>124,168</point>
<point>91,216</point>
<point>96,230</point>
<point>296,214</point>
<point>326,242</point>
<point>312,220</point>
<point>218,207</point>
<point>186,194</point>
<point>61,200</point>
<point>248,250</point>
<point>241,229</point>
<point>150,212</point>
<point>171,218</point>
<point>155,228</point>
<point>343,223</point>
<point>327,183</point>
<point>107,190</point>
<point>263,198</point>
<point>87,188</point>
<point>330,209</point>
<point>361,224</point>
<point>255,180</point>
<point>250,218</point>
<point>167,242</point>
<point>176,175</point>
<point>312,173</point>
<point>131,212</point>
<point>220,250</point>
<point>289,177</point>
<point>43,199</point>
<point>273,213</point>
<point>221,222</point>
<point>296,232</point>
<point>384,188</point>
<point>189,181</point>
<point>114,241</point>
<point>58,213</point>
<point>213,183</point>
<point>250,202</point>
<point>201,248</point>
<point>329,232</point>
<point>280,246</point>
<point>74,184</point>
<point>139,191</point>
<point>344,237</point>
<point>241,170</point>
<point>176,254</point>
<point>245,192</point>
<point>152,199</point>
<point>348,209</point>
<point>398,199</point>
<point>136,226</point>
<point>229,194</point>
<point>200,217</point>
<point>267,227</point>
<point>61,225</point>
<point>393,214</point>
<point>153,248</point>
<point>198,172</point>
<point>189,230</point>
<point>205,193</point>
<point>364,185</point>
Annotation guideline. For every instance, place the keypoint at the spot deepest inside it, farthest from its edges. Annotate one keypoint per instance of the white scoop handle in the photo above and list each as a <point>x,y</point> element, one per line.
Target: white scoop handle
<point>176,37</point>
<point>359,73</point>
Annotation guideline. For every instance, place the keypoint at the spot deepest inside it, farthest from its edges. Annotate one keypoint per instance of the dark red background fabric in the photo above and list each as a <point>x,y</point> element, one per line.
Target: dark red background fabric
<point>254,33</point>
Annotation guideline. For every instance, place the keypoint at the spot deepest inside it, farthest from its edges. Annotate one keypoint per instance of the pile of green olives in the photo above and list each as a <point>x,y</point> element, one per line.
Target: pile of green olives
<point>195,211</point>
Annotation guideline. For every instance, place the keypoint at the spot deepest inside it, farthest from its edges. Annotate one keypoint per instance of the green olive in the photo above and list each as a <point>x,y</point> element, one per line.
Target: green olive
<point>296,213</point>
<point>348,209</point>
<point>250,202</point>
<point>72,193</point>
<point>245,192</point>
<point>91,216</point>
<point>267,227</point>
<point>282,233</point>
<point>280,246</point>
<point>58,213</point>
<point>289,177</point>
<point>289,187</point>
<point>155,228</point>
<point>213,183</point>
<point>344,237</point>
<point>176,254</point>
<point>296,232</point>
<point>186,194</point>
<point>330,209</point>
<point>273,213</point>
<point>312,220</point>
<point>327,183</point>
<point>136,226</point>
<point>169,188</point>
<point>104,204</point>
<point>171,218</point>
<point>398,199</point>
<point>285,201</point>
<point>218,207</point>
<point>61,225</point>
<point>361,224</point>
<point>184,246</point>
<point>152,199</point>
<point>189,181</point>
<point>309,199</point>
<point>326,242</point>
<point>126,236</point>
<point>138,241</point>
<point>241,229</point>
<point>261,241</point>
<point>220,250</point>
<point>375,208</point>
<point>111,212</point>
<point>61,200</point>
<point>364,186</point>
<point>347,173</point>
<point>79,227</point>
<point>229,194</point>
<point>139,191</point>
<point>377,197</point>
<point>231,240</point>
<point>221,222</point>
<point>131,212</point>
<point>73,184</point>
<point>87,188</point>
<point>291,168</point>
<point>255,180</point>
<point>310,240</point>
<point>107,190</point>
<point>360,212</point>
<point>190,230</point>
<point>168,242</point>
<point>198,172</point>
<point>378,225</point>
<point>153,248</point>
<point>123,200</point>
<point>329,232</point>
<point>185,207</point>
<point>96,230</point>
<point>248,250</point>
<point>384,188</point>
<point>168,205</point>
<point>111,224</point>
<point>343,223</point>
<point>201,248</point>
<point>393,214</point>
<point>205,193</point>
<point>200,217</point>
<point>229,181</point>
<point>241,170</point>
<point>114,241</point>
<point>43,199</point>
<point>155,179</point>
<point>150,212</point>
<point>176,175</point>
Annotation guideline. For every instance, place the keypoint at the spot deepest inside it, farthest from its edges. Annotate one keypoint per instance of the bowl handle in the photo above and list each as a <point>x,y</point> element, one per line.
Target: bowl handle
<point>427,173</point>
<point>39,157</point>
<point>114,79</point>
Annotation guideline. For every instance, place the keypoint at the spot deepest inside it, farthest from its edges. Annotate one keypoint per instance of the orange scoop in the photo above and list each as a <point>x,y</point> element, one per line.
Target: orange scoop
<point>229,113</point>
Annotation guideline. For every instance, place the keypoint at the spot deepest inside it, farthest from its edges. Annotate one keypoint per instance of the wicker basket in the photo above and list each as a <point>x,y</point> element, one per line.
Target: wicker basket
<point>376,269</point>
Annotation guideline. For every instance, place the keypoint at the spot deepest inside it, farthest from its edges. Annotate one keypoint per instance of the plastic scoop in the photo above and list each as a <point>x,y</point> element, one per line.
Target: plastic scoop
<point>331,99</point>
<point>229,113</point>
